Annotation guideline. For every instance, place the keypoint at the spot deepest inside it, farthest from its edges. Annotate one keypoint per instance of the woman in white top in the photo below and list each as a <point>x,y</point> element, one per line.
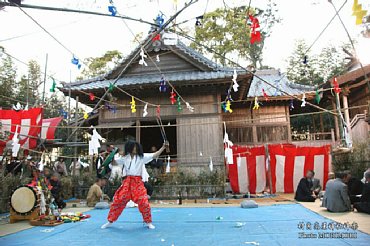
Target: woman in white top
<point>132,187</point>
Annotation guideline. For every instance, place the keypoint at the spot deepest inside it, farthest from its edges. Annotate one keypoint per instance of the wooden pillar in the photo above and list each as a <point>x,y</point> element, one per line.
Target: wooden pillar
<point>138,136</point>
<point>336,123</point>
<point>75,138</point>
<point>289,130</point>
<point>346,114</point>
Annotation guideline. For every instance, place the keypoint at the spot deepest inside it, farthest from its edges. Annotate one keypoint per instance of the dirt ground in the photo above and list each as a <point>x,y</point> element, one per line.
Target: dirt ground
<point>363,220</point>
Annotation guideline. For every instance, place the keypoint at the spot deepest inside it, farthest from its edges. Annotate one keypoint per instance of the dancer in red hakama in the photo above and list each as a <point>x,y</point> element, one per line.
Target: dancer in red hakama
<point>132,187</point>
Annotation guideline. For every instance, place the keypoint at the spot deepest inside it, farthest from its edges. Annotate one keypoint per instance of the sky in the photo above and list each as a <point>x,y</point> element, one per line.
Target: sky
<point>91,36</point>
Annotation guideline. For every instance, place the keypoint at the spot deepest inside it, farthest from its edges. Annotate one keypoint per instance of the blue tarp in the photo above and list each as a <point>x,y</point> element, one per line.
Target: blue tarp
<point>266,225</point>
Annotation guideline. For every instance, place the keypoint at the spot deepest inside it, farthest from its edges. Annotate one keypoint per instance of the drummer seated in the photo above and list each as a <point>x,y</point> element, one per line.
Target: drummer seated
<point>95,193</point>
<point>56,190</point>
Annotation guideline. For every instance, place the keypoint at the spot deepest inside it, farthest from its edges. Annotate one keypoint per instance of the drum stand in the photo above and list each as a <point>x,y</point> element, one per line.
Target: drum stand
<point>14,216</point>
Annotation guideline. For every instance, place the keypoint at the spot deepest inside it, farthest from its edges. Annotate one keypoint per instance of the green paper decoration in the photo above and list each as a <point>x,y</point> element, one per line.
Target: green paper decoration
<point>179,108</point>
<point>52,89</point>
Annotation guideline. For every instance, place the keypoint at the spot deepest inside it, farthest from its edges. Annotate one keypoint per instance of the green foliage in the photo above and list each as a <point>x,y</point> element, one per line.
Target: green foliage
<point>8,75</point>
<point>97,66</point>
<point>319,68</point>
<point>227,32</point>
<point>357,161</point>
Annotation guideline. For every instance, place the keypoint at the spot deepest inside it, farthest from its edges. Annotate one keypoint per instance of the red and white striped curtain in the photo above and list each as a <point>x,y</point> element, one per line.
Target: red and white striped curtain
<point>248,171</point>
<point>29,126</point>
<point>288,164</point>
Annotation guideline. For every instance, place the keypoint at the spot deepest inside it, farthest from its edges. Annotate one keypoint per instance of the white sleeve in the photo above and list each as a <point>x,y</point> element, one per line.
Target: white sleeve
<point>148,157</point>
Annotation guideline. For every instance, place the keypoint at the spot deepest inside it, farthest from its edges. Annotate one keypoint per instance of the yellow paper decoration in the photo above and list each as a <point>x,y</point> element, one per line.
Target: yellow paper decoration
<point>256,104</point>
<point>86,115</point>
<point>133,105</point>
<point>228,106</point>
<point>358,12</point>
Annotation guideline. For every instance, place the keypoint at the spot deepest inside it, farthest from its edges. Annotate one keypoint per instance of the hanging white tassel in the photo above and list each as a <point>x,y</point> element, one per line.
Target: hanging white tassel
<point>142,61</point>
<point>168,167</point>
<point>303,100</point>
<point>210,164</point>
<point>145,111</point>
<point>157,58</point>
<point>15,145</point>
<point>235,85</point>
<point>191,109</point>
<point>94,143</point>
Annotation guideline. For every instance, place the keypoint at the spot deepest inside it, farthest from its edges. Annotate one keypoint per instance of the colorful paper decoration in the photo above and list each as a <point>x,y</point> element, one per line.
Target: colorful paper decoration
<point>317,96</point>
<point>113,10</point>
<point>291,104</point>
<point>162,85</point>
<point>228,107</point>
<point>223,107</point>
<point>265,95</point>
<point>255,32</point>
<point>52,89</point>
<point>145,111</point>
<point>235,83</point>
<point>158,111</point>
<point>157,37</point>
<point>198,22</point>
<point>86,115</point>
<point>91,96</point>
<point>142,60</point>
<point>173,97</point>
<point>337,89</point>
<point>358,12</point>
<point>111,87</point>
<point>63,113</point>
<point>76,61</point>
<point>303,104</point>
<point>256,104</point>
<point>190,108</point>
<point>159,20</point>
<point>179,108</point>
<point>133,105</point>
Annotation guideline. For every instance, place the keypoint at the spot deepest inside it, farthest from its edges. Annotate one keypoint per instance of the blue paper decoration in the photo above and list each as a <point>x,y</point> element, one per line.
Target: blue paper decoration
<point>159,20</point>
<point>63,113</point>
<point>113,10</point>
<point>162,85</point>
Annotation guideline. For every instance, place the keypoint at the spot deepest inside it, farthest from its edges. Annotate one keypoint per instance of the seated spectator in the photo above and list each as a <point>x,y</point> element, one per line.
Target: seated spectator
<point>56,190</point>
<point>60,167</point>
<point>364,205</point>
<point>95,193</point>
<point>336,197</point>
<point>331,175</point>
<point>355,187</point>
<point>363,180</point>
<point>14,166</point>
<point>316,187</point>
<point>303,192</point>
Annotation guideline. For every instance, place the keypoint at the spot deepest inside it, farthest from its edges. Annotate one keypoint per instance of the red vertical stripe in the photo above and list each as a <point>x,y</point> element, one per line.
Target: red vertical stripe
<point>289,169</point>
<point>252,172</point>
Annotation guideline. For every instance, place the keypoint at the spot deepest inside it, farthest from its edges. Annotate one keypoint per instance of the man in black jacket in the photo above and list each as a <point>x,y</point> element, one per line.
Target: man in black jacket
<point>364,205</point>
<point>303,192</point>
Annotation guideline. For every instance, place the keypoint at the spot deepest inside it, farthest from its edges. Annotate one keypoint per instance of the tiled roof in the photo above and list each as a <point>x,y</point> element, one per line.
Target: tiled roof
<point>275,78</point>
<point>154,78</point>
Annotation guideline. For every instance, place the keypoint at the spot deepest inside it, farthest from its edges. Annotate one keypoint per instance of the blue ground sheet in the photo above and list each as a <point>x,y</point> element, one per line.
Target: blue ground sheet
<point>290,224</point>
